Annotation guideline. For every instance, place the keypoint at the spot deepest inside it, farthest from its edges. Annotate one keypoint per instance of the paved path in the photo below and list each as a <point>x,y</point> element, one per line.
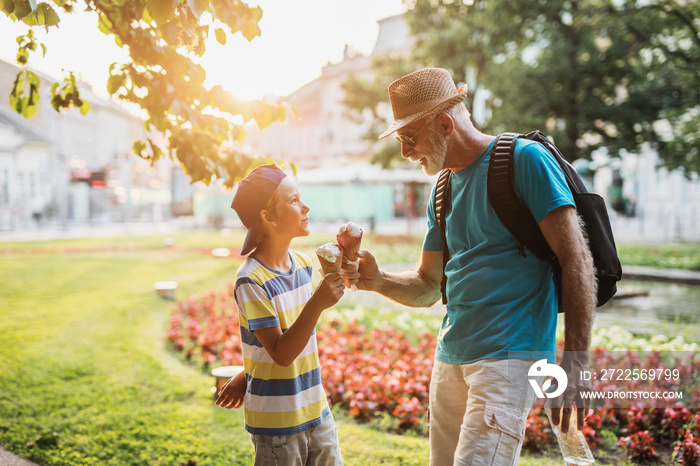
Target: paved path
<point>688,277</point>
<point>10,459</point>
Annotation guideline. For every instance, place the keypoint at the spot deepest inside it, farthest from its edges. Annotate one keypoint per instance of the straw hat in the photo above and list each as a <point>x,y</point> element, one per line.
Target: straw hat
<point>420,94</point>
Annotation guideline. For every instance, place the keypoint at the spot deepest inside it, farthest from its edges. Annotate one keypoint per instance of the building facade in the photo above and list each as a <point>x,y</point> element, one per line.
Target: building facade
<point>62,167</point>
<point>328,147</point>
<point>24,171</point>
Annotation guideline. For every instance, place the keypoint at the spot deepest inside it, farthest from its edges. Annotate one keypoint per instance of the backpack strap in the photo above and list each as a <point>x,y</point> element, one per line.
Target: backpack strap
<point>443,193</point>
<point>515,216</point>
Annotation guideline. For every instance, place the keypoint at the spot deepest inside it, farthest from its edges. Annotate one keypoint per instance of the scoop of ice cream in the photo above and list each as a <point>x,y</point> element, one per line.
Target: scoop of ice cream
<point>348,232</point>
<point>329,251</point>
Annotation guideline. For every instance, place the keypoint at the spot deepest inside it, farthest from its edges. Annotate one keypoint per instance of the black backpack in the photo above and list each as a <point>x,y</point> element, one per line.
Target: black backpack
<point>519,221</point>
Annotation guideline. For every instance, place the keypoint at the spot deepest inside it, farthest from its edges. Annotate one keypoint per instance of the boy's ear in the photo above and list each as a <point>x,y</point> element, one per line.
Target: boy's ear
<point>267,217</point>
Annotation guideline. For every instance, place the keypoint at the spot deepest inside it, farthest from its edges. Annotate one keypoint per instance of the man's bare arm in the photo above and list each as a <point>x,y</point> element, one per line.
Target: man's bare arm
<point>562,230</point>
<point>414,288</point>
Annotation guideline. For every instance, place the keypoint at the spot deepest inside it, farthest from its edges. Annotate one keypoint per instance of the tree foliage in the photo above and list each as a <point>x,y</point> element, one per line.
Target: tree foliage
<point>195,125</point>
<point>592,74</point>
<point>367,98</point>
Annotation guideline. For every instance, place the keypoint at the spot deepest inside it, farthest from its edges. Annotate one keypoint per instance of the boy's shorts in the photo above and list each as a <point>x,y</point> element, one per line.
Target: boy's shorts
<point>317,446</point>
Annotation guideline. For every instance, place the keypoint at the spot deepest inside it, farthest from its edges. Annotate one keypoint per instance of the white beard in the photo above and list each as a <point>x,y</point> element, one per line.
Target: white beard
<point>435,158</point>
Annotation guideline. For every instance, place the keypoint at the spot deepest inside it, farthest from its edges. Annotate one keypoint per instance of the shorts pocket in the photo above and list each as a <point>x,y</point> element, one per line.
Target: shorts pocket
<point>505,420</point>
<point>504,435</point>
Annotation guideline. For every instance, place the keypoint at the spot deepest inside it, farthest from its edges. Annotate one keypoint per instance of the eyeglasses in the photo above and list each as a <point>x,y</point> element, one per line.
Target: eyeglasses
<point>403,139</point>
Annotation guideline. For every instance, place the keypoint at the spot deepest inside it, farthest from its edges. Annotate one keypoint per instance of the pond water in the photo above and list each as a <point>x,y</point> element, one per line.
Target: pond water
<point>654,307</point>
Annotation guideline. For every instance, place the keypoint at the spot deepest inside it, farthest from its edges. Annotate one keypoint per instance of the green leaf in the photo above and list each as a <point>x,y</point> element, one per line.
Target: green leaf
<point>139,147</point>
<point>256,13</point>
<point>115,82</point>
<point>161,10</point>
<point>220,36</point>
<point>50,18</point>
<point>84,107</point>
<point>24,97</point>
<point>22,56</point>
<point>22,9</point>
<point>105,25</point>
<point>157,152</point>
<point>8,6</point>
<point>249,29</point>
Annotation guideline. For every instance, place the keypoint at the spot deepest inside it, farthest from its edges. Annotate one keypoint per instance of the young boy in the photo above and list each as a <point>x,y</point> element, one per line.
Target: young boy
<point>285,405</point>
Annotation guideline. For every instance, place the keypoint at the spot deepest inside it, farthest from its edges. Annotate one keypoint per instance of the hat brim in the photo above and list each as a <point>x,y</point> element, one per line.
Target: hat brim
<point>437,108</point>
<point>248,241</point>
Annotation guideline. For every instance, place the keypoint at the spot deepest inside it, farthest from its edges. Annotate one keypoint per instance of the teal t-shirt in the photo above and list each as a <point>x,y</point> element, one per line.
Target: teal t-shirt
<point>500,304</point>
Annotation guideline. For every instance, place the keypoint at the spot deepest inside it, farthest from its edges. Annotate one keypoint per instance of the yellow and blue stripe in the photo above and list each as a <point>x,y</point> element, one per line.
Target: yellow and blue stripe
<point>279,400</point>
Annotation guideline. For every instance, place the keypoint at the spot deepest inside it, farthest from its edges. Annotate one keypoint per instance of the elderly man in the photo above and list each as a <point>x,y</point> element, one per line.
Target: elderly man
<point>502,307</point>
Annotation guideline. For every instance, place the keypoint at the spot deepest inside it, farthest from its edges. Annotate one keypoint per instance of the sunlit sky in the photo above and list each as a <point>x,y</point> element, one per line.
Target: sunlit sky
<point>298,38</point>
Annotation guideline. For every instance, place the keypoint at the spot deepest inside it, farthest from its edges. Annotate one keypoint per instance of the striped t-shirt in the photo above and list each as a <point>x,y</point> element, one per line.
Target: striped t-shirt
<point>279,400</point>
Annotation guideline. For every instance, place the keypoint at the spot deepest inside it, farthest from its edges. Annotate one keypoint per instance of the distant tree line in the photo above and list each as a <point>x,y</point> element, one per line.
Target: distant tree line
<point>592,74</point>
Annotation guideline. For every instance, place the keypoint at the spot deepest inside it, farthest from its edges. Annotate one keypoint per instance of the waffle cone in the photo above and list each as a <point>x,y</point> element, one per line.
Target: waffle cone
<point>328,266</point>
<point>350,251</point>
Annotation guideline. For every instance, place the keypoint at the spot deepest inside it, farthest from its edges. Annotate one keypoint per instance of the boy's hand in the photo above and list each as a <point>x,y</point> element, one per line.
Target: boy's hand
<point>330,290</point>
<point>231,395</point>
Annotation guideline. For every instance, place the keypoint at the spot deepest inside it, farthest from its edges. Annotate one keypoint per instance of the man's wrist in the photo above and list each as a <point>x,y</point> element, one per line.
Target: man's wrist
<point>575,360</point>
<point>381,283</point>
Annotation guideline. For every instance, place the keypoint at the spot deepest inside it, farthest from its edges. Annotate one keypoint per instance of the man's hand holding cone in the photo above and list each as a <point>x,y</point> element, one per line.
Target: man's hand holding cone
<point>350,238</point>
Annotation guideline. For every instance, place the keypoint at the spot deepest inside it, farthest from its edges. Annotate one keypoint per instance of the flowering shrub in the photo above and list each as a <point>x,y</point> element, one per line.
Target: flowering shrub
<point>639,446</point>
<point>615,338</point>
<point>592,427</point>
<point>381,373</point>
<point>688,448</point>
<point>367,372</point>
<point>376,371</point>
<point>537,431</point>
<point>206,328</point>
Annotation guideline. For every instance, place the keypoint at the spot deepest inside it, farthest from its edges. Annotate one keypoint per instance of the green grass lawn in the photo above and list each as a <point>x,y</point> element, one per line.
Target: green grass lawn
<point>673,255</point>
<point>83,355</point>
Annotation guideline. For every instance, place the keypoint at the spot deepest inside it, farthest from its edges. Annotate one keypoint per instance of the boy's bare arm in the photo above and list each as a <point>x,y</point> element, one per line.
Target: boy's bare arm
<point>285,347</point>
<point>415,288</point>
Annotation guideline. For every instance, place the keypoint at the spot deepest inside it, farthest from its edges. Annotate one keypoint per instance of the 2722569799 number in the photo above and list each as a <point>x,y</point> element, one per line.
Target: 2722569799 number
<point>638,374</point>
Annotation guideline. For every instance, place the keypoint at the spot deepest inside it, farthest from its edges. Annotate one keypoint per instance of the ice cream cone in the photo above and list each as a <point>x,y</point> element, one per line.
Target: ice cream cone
<point>331,257</point>
<point>350,251</point>
<point>350,238</point>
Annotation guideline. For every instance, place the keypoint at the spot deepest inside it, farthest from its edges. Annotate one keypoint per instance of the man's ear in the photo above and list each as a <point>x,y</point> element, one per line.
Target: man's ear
<point>446,124</point>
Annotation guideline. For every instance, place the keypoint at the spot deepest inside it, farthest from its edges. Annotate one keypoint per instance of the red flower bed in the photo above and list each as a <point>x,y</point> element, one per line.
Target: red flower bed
<point>206,328</point>
<point>378,372</point>
<point>639,446</point>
